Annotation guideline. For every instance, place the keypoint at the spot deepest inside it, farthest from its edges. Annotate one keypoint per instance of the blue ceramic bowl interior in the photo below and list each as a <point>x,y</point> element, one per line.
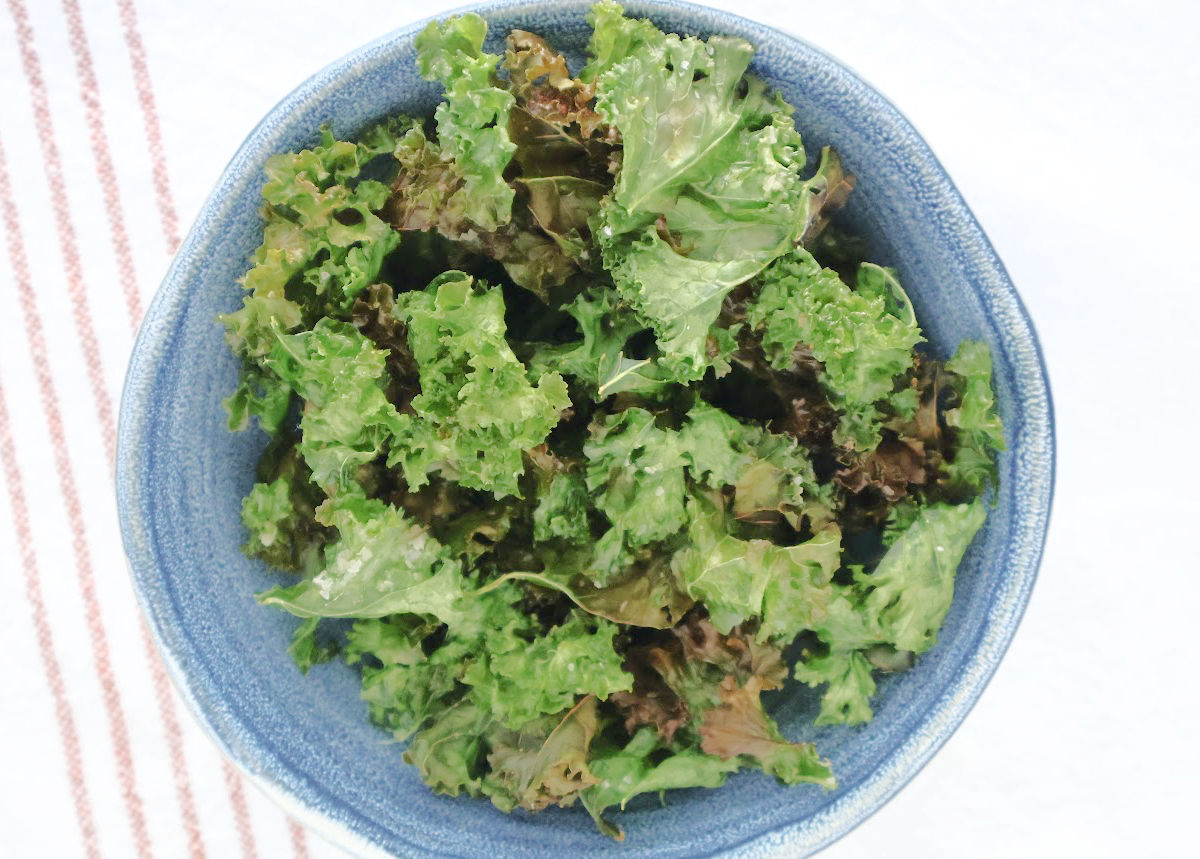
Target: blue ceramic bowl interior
<point>181,476</point>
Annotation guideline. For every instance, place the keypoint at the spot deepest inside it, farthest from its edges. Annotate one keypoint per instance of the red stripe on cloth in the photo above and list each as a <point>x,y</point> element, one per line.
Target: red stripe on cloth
<point>299,841</point>
<point>241,813</point>
<point>33,585</point>
<point>66,230</point>
<point>170,718</point>
<point>89,91</point>
<point>170,228</point>
<point>118,732</point>
<point>106,172</point>
<point>158,160</point>
<point>41,628</point>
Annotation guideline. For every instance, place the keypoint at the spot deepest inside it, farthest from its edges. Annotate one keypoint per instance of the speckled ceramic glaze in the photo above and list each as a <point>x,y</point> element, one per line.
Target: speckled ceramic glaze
<point>306,740</point>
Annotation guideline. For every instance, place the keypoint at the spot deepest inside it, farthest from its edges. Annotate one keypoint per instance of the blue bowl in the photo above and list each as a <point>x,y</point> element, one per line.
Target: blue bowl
<point>306,740</point>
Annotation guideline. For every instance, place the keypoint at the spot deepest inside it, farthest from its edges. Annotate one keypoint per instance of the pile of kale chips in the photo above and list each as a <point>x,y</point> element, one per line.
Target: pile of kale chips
<point>582,411</point>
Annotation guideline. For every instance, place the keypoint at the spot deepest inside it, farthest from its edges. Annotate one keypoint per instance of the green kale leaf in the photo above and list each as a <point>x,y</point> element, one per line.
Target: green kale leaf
<point>382,563</point>
<point>472,122</point>
<point>709,190</point>
<point>643,766</point>
<point>636,471</point>
<point>322,242</point>
<point>861,345</point>
<point>543,763</point>
<point>561,511</point>
<point>770,473</point>
<point>402,687</point>
<point>786,587</point>
<point>280,516</point>
<point>450,753</point>
<point>911,589</point>
<point>477,411</point>
<point>520,676</point>
<point>847,700</point>
<point>307,649</point>
<point>978,429</point>
<point>647,594</point>
<point>901,603</point>
<point>598,360</point>
<point>347,420</point>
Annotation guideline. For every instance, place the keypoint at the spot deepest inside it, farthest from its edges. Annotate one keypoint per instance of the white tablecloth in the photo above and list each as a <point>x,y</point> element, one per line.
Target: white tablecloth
<point>1072,131</point>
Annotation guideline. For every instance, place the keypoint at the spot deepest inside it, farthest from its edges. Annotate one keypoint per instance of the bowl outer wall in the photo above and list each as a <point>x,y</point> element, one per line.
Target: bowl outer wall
<point>168,488</point>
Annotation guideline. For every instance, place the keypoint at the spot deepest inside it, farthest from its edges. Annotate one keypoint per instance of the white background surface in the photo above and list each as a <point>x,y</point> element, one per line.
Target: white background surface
<point>1071,130</point>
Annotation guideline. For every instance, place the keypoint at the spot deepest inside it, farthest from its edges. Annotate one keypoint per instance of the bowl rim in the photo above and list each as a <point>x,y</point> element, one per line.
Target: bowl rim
<point>301,798</point>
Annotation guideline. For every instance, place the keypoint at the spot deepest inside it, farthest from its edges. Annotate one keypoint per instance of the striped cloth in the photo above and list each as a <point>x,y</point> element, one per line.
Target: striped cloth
<point>117,117</point>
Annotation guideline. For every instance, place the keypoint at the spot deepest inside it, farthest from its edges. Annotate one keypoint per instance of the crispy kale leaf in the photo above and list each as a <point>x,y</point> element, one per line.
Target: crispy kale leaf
<point>911,589</point>
<point>623,772</point>
<point>901,604</point>
<point>709,190</point>
<point>847,700</point>
<point>770,473</point>
<point>473,120</point>
<point>562,510</point>
<point>307,649</point>
<point>861,345</point>
<point>322,244</point>
<point>785,587</point>
<point>977,426</point>
<point>280,516</point>
<point>544,88</point>
<point>451,751</point>
<point>598,360</point>
<point>321,219</point>
<point>477,410</point>
<point>428,191</point>
<point>646,594</point>
<point>347,420</point>
<point>545,762</point>
<point>520,675</point>
<point>695,715</point>
<point>382,563</point>
<point>614,37</point>
<point>403,687</point>
<point>739,727</point>
<point>636,471</point>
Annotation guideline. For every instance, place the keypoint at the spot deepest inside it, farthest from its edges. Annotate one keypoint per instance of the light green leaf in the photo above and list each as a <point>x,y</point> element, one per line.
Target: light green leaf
<point>709,190</point>
<point>307,650</point>
<point>978,426</point>
<point>648,595</point>
<point>787,587</point>
<point>637,470</point>
<point>519,676</point>
<point>913,586</point>
<point>473,120</point>
<point>561,511</point>
<point>847,700</point>
<point>477,411</point>
<point>401,686</point>
<point>625,772</point>
<point>448,752</point>
<point>382,563</point>
<point>863,347</point>
<point>768,471</point>
<point>347,420</point>
<point>598,360</point>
